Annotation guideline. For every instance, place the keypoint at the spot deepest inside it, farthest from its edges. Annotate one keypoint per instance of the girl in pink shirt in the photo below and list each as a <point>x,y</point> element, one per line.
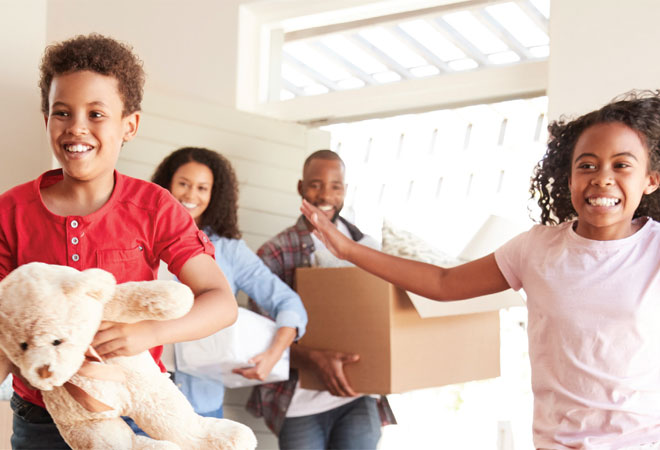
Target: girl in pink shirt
<point>591,272</point>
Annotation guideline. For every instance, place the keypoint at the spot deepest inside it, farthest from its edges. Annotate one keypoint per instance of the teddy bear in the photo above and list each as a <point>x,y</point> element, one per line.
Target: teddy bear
<point>49,315</point>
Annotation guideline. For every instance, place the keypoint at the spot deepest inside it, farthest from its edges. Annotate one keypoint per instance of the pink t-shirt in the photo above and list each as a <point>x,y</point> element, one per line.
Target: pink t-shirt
<point>594,334</point>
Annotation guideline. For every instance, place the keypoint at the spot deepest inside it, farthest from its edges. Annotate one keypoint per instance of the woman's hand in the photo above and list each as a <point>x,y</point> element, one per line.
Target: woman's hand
<point>263,365</point>
<point>123,339</point>
<point>326,231</point>
<point>264,362</point>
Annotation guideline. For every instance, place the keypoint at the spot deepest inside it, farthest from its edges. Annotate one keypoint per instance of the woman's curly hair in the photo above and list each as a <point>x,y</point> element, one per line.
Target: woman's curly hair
<point>639,110</point>
<point>221,214</point>
<point>96,53</point>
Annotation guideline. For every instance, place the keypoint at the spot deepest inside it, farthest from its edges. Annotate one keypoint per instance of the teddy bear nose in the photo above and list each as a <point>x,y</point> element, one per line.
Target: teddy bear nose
<point>44,371</point>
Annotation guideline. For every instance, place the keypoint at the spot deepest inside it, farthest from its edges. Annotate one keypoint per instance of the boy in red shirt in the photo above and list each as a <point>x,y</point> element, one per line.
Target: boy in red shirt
<point>86,214</point>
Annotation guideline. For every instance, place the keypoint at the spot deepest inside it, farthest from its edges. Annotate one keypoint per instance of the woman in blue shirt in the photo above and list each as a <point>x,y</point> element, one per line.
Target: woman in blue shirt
<point>204,182</point>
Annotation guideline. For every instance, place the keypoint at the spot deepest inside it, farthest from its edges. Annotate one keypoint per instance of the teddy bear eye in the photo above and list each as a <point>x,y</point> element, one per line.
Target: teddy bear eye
<point>24,345</point>
<point>57,342</point>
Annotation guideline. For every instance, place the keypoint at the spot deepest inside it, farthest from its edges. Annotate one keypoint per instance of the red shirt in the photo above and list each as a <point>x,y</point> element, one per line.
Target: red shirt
<point>139,225</point>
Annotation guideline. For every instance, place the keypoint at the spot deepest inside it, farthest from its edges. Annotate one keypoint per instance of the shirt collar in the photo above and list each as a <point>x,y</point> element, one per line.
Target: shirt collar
<point>51,177</point>
<point>302,230</point>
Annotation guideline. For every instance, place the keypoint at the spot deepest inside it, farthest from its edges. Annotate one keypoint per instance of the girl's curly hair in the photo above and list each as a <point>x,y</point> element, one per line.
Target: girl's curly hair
<point>221,214</point>
<point>96,53</point>
<point>639,110</point>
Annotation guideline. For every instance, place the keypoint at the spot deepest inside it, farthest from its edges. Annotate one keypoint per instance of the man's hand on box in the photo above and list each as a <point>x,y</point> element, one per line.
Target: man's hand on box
<point>330,367</point>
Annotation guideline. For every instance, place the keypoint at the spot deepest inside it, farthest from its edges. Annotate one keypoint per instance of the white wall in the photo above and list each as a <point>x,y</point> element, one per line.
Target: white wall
<point>22,39</point>
<point>600,49</point>
<point>189,48</point>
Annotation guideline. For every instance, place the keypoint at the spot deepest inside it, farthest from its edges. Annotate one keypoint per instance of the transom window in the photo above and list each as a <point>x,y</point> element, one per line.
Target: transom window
<point>419,44</point>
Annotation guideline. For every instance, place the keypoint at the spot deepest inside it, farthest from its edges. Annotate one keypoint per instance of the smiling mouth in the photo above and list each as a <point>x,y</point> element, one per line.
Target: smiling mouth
<point>603,201</point>
<point>189,205</point>
<point>326,208</point>
<point>77,148</point>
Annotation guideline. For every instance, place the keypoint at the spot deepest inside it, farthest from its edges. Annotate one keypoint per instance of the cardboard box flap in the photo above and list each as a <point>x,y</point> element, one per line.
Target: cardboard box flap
<point>431,308</point>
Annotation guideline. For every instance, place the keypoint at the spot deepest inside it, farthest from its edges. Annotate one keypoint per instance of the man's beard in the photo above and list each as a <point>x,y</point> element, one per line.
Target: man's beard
<point>336,214</point>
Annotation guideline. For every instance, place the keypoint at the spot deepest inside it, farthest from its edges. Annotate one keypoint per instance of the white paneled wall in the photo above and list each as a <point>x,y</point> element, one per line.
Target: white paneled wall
<point>267,156</point>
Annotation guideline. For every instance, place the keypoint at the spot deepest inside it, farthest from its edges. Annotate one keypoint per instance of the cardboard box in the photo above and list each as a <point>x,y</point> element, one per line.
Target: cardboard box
<point>351,310</point>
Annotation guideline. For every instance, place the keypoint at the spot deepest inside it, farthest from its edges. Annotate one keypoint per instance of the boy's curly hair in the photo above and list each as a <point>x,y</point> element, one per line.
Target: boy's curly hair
<point>221,214</point>
<point>639,110</point>
<point>96,53</point>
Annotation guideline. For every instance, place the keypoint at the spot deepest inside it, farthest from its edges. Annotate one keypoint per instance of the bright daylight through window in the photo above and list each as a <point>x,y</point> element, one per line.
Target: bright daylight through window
<point>442,41</point>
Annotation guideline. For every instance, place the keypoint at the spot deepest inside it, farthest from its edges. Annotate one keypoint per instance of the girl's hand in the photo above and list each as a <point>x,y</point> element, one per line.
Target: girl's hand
<point>123,339</point>
<point>263,365</point>
<point>326,231</point>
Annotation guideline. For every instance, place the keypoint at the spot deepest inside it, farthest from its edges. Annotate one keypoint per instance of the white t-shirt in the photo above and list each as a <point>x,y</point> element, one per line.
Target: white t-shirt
<point>594,334</point>
<point>307,401</point>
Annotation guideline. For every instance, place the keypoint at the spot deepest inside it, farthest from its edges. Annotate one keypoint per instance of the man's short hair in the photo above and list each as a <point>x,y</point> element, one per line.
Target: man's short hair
<point>323,154</point>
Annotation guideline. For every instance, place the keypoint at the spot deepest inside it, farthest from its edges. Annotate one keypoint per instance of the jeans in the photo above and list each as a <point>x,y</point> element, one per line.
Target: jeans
<point>34,429</point>
<point>355,425</point>
<point>131,423</point>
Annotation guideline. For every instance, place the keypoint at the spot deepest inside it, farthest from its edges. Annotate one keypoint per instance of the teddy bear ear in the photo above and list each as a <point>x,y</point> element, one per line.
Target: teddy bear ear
<point>98,284</point>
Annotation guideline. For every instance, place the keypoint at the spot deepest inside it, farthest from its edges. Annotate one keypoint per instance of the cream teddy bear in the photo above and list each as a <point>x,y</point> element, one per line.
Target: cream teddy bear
<point>48,317</point>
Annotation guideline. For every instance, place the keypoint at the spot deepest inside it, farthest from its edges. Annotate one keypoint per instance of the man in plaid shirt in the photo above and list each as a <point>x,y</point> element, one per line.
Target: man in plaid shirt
<point>337,418</point>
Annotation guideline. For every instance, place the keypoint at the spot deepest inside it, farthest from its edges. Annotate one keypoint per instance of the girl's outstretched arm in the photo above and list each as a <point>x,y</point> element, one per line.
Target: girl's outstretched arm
<point>473,279</point>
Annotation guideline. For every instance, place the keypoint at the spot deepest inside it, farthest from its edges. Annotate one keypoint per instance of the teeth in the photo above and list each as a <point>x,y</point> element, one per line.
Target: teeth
<point>77,148</point>
<point>189,205</point>
<point>603,201</point>
<point>325,207</point>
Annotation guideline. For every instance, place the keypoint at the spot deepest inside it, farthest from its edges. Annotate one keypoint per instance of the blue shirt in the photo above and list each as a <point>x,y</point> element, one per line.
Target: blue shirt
<point>245,272</point>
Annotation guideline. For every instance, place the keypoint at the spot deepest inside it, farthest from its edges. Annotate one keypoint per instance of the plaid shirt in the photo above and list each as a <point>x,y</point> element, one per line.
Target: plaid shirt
<point>290,249</point>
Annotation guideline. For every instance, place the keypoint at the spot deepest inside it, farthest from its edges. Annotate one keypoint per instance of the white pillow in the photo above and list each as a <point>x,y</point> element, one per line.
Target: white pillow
<point>215,356</point>
<point>405,244</point>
